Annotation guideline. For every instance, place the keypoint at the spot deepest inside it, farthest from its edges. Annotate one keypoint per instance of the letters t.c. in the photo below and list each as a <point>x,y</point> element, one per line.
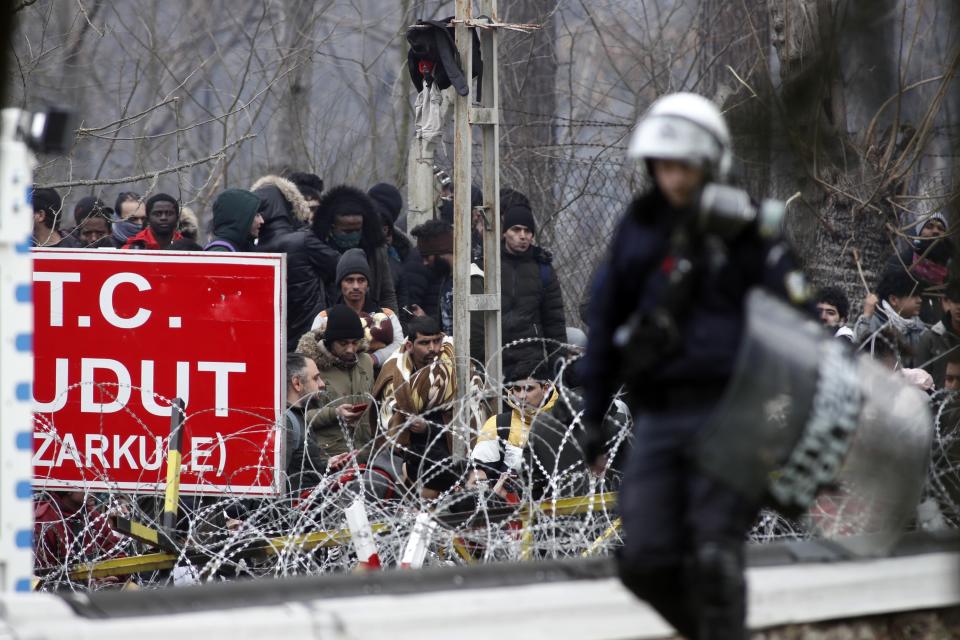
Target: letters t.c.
<point>57,280</point>
<point>106,300</point>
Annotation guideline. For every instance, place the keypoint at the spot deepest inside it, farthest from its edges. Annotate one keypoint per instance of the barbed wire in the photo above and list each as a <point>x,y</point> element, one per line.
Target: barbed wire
<point>552,508</point>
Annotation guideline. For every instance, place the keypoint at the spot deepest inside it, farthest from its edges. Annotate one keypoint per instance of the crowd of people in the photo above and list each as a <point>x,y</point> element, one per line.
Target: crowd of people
<point>911,325</point>
<point>911,322</point>
<point>370,364</point>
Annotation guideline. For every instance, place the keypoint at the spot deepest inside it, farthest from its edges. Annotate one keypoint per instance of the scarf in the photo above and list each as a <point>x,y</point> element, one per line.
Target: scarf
<point>928,270</point>
<point>904,326</point>
<point>123,230</point>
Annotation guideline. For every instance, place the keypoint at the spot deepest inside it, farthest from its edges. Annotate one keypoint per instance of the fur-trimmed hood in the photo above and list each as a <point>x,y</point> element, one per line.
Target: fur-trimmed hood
<point>311,345</point>
<point>344,199</point>
<point>298,204</point>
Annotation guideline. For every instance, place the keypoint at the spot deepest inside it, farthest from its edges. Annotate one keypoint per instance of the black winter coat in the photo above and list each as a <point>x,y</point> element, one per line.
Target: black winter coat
<point>633,278</point>
<point>531,303</point>
<point>310,263</point>
<point>409,275</point>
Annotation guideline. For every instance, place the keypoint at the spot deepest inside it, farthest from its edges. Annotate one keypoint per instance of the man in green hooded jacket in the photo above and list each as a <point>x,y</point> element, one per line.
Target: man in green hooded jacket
<point>236,221</point>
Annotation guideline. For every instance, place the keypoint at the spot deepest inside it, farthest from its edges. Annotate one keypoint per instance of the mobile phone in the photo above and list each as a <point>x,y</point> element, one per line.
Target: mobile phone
<point>362,406</point>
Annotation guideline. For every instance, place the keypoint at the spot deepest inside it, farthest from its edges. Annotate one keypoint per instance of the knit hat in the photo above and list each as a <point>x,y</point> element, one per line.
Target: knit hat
<point>519,214</point>
<point>388,197</point>
<point>510,197</point>
<point>924,220</point>
<point>88,206</point>
<point>342,324</point>
<point>352,261</point>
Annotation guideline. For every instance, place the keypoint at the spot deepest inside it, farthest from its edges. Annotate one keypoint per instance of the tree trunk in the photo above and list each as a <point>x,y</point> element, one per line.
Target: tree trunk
<point>736,41</point>
<point>294,113</point>
<point>826,151</point>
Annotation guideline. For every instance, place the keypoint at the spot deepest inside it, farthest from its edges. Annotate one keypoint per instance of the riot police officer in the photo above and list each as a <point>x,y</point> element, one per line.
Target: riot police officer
<point>666,320</point>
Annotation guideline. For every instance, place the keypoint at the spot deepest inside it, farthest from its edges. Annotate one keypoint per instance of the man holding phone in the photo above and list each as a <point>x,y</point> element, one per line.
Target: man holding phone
<point>340,351</point>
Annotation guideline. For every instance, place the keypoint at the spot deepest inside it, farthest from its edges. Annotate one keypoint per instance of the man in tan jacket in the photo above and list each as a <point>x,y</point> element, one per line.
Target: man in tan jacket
<point>340,424</point>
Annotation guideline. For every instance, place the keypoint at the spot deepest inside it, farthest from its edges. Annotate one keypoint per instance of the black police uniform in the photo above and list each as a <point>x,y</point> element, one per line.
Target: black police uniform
<point>684,531</point>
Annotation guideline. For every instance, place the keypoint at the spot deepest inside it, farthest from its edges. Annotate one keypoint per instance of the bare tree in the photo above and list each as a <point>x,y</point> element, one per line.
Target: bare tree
<point>528,97</point>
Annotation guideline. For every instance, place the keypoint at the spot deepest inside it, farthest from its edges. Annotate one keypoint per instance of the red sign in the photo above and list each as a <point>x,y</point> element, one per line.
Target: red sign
<point>119,334</point>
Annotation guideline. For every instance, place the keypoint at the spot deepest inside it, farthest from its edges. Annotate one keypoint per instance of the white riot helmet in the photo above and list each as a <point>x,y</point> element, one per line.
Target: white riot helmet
<point>686,127</point>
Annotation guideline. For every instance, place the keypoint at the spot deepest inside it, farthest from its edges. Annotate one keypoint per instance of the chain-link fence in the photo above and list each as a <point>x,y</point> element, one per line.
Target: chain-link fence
<point>592,195</point>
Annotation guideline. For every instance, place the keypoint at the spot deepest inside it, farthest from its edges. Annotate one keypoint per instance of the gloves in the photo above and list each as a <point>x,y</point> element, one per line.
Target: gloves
<point>592,441</point>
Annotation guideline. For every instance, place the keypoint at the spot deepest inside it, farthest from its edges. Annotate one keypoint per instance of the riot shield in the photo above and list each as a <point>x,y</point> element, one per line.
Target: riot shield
<point>818,431</point>
<point>880,483</point>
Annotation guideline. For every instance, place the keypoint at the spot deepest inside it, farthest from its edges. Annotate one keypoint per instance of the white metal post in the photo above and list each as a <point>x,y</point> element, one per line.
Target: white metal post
<point>16,356</point>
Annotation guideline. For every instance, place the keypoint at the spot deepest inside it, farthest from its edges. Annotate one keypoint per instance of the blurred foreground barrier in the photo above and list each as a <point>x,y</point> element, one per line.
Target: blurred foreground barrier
<point>790,583</point>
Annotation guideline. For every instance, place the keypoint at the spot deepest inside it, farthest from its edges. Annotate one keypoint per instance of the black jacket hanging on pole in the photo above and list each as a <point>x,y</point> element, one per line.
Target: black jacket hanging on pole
<point>433,42</point>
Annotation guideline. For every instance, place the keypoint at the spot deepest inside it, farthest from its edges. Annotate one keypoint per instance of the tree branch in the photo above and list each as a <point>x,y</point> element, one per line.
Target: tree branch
<point>152,174</point>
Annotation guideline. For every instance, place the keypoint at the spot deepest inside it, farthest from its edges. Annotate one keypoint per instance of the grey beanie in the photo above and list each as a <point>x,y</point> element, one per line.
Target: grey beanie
<point>928,218</point>
<point>352,261</point>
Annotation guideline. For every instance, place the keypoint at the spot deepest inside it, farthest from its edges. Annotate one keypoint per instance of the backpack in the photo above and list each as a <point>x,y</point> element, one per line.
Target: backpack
<point>220,243</point>
<point>297,425</point>
<point>503,425</point>
<point>545,273</point>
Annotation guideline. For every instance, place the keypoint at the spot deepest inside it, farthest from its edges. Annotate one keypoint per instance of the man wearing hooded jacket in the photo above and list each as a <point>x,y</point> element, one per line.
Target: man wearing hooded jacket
<point>346,219</point>
<point>311,263</point>
<point>236,221</point>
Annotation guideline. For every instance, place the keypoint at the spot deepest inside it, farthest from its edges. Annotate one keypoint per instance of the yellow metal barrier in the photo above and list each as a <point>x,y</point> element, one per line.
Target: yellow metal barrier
<point>578,505</point>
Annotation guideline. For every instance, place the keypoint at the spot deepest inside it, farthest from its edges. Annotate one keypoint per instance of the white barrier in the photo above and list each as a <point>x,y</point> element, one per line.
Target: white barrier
<point>583,609</point>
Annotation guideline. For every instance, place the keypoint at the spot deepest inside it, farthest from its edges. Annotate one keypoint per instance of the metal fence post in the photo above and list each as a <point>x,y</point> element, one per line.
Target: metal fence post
<point>16,357</point>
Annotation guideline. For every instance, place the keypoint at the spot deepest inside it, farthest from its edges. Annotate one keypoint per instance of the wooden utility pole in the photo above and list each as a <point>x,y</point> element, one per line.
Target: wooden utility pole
<point>486,116</point>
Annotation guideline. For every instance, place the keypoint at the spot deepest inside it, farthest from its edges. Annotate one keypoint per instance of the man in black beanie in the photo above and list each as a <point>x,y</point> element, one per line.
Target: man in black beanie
<point>389,198</point>
<point>381,326</point>
<point>340,351</point>
<point>531,300</point>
